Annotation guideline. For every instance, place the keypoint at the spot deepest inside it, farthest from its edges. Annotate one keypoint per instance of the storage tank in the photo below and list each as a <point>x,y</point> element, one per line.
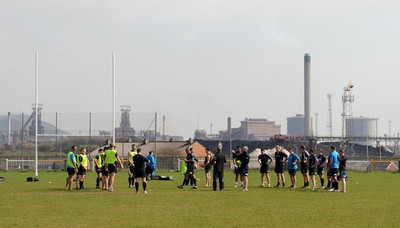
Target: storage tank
<point>295,125</point>
<point>362,127</point>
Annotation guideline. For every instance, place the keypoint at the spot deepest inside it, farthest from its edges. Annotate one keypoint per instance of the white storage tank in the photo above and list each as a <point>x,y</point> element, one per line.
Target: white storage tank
<point>362,127</point>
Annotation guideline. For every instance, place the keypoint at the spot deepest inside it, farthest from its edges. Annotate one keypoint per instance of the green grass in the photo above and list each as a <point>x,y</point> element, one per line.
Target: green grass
<point>372,200</point>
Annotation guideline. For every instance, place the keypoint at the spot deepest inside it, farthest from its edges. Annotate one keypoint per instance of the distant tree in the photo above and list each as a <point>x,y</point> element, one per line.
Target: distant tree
<point>45,148</point>
<point>169,152</point>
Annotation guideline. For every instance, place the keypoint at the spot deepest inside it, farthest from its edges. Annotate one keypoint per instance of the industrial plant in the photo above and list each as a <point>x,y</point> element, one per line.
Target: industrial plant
<point>17,131</point>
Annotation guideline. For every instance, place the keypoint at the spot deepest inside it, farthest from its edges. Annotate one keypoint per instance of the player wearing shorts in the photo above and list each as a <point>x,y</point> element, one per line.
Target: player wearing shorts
<point>333,165</point>
<point>312,168</point>
<point>264,160</point>
<point>104,172</point>
<point>71,168</point>
<point>190,167</point>
<point>236,163</point>
<point>98,162</point>
<point>342,170</point>
<point>321,162</point>
<point>150,166</point>
<point>84,165</point>
<point>131,172</point>
<point>292,167</point>
<point>244,159</point>
<point>280,158</point>
<point>207,168</point>
<point>304,165</point>
<point>139,163</point>
<point>111,158</point>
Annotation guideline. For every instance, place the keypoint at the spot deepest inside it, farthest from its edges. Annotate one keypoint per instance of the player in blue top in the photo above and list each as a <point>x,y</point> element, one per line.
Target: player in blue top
<point>333,167</point>
<point>292,167</point>
<point>72,168</point>
<point>151,165</point>
<point>312,168</point>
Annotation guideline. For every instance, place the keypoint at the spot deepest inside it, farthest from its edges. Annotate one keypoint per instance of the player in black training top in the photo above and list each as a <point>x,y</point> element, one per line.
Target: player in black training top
<point>244,159</point>
<point>303,165</point>
<point>342,170</point>
<point>264,160</point>
<point>207,167</point>
<point>280,158</point>
<point>139,166</point>
<point>312,168</point>
<point>321,162</point>
<point>236,163</point>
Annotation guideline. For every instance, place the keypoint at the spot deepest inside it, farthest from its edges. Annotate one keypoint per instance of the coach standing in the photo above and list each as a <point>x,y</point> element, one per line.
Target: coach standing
<point>218,160</point>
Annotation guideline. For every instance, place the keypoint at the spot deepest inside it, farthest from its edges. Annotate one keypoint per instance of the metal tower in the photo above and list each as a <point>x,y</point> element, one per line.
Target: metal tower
<point>125,130</point>
<point>329,125</point>
<point>316,124</point>
<point>33,123</point>
<point>347,126</point>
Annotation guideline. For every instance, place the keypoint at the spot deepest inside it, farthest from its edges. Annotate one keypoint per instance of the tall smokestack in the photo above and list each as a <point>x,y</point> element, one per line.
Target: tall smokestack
<point>9,129</point>
<point>229,125</point>
<point>163,126</point>
<point>307,96</point>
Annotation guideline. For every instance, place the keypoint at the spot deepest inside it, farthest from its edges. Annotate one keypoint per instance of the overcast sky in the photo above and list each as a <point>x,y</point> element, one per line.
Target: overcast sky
<point>202,58</point>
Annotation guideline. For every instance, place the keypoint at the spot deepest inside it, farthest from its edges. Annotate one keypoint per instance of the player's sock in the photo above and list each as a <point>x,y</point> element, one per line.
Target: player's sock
<point>191,181</point>
<point>329,184</point>
<point>183,183</point>
<point>322,182</point>
<point>308,184</point>
<point>278,183</point>
<point>144,186</point>
<point>97,182</point>
<point>137,186</point>
<point>194,182</point>
<point>80,184</point>
<point>283,184</point>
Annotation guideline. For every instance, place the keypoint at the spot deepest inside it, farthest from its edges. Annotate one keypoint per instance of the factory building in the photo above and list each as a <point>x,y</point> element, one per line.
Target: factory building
<point>252,129</point>
<point>295,125</point>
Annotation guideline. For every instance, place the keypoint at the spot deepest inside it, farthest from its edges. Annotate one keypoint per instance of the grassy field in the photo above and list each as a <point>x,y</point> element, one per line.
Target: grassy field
<point>372,200</point>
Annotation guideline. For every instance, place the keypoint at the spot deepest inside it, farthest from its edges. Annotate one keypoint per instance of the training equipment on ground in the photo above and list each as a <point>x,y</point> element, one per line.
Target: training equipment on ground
<point>32,179</point>
<point>158,177</point>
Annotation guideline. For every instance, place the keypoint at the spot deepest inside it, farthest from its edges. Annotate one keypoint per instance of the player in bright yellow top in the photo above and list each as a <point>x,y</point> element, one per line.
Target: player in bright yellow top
<point>83,166</point>
<point>131,171</point>
<point>111,157</point>
<point>98,161</point>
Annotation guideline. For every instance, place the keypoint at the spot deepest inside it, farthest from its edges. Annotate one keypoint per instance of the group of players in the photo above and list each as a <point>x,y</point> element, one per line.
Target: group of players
<point>140,167</point>
<point>106,166</point>
<point>310,166</point>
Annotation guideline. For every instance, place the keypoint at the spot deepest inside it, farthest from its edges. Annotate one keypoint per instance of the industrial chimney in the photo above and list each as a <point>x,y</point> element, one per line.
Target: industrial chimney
<point>229,127</point>
<point>307,96</point>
